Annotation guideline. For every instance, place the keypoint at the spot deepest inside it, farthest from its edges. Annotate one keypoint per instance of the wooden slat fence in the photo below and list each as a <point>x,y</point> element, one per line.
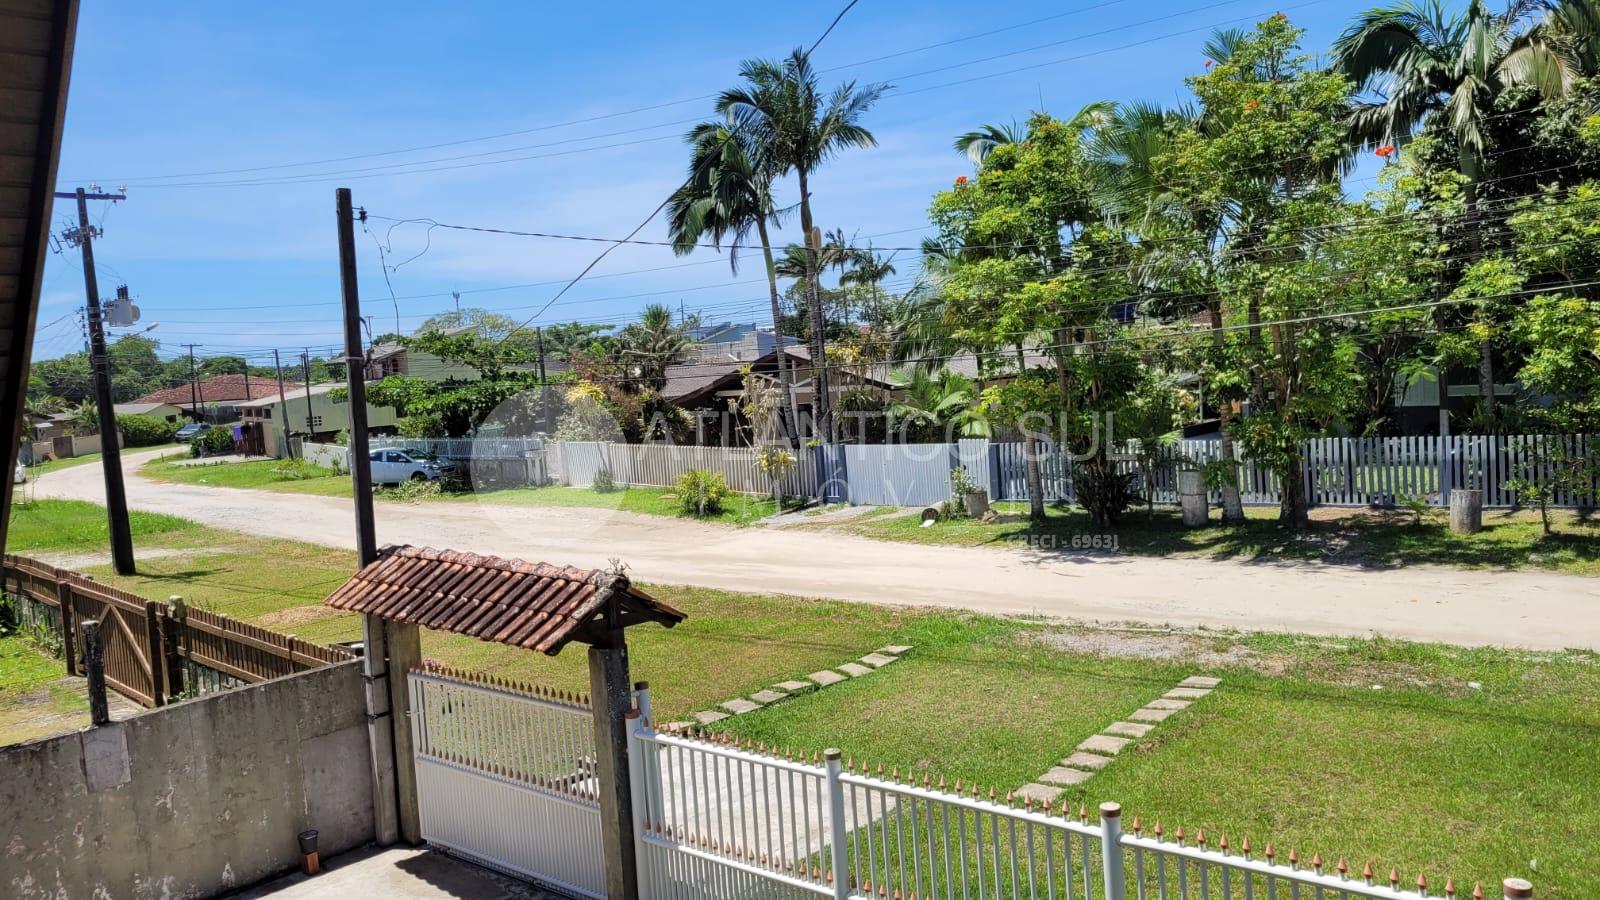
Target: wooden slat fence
<point>155,652</point>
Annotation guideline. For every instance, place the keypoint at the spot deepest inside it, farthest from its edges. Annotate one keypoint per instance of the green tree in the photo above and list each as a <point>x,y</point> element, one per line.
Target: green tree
<point>651,344</point>
<point>798,127</point>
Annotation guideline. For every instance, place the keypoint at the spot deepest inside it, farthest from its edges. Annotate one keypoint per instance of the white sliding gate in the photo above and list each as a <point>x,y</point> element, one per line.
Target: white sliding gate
<point>505,777</point>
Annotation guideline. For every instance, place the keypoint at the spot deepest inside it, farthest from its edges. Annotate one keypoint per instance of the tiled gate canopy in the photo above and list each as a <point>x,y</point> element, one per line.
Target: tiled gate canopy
<point>536,606</point>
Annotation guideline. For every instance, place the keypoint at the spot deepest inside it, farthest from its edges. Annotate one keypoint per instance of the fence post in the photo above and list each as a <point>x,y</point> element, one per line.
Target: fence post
<point>1517,888</point>
<point>632,721</point>
<point>69,629</point>
<point>1111,850</point>
<point>840,849</point>
<point>153,648</point>
<point>94,664</point>
<point>176,621</point>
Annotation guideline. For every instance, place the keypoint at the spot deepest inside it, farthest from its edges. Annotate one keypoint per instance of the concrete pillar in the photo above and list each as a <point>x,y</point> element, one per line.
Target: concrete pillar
<point>1192,498</point>
<point>1466,510</point>
<point>405,650</point>
<point>380,732</point>
<point>612,695</point>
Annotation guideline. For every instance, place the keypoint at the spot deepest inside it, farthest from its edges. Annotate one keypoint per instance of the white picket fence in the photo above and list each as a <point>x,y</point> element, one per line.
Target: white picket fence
<point>716,820</point>
<point>1338,471</point>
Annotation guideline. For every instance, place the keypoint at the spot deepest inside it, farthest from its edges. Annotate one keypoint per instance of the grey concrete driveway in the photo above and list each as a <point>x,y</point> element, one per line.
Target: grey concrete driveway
<point>397,872</point>
<point>1524,609</point>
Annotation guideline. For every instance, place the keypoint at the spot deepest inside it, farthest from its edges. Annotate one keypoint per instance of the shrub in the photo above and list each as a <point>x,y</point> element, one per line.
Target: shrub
<point>412,491</point>
<point>702,493</point>
<point>604,482</point>
<point>145,431</point>
<point>961,484</point>
<point>212,443</point>
<point>299,470</point>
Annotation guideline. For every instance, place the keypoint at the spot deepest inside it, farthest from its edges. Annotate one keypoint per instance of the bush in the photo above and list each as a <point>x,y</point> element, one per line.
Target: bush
<point>412,491</point>
<point>604,482</point>
<point>702,493</point>
<point>300,470</point>
<point>215,442</point>
<point>145,431</point>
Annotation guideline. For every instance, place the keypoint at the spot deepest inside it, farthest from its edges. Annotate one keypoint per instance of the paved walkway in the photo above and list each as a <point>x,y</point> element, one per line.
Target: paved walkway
<point>1525,609</point>
<point>397,872</point>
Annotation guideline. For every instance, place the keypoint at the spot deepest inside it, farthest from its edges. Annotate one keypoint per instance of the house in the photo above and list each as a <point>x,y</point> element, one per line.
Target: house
<point>219,396</point>
<point>709,391</point>
<point>166,412</point>
<point>743,342</point>
<point>315,412</point>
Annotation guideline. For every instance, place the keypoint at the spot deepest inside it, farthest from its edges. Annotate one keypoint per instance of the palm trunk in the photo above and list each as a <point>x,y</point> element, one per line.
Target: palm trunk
<point>1232,505</point>
<point>820,399</point>
<point>1030,461</point>
<point>790,414</point>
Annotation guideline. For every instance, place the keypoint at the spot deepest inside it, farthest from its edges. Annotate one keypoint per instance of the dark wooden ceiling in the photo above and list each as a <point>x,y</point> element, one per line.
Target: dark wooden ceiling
<point>36,39</point>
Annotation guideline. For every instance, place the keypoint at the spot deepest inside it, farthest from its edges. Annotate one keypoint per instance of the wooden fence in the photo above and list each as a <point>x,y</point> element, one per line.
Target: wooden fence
<point>154,652</point>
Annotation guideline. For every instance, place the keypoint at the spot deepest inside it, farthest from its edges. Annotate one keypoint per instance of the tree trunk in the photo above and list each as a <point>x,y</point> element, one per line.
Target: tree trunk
<point>820,399</point>
<point>1232,505</point>
<point>1470,173</point>
<point>791,407</point>
<point>1486,382</point>
<point>1030,458</point>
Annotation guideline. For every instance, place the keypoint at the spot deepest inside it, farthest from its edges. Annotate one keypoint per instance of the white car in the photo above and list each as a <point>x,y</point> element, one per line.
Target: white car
<point>396,466</point>
<point>20,475</point>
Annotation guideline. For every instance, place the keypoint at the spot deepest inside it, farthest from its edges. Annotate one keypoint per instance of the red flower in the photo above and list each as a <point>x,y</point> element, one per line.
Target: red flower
<point>1252,104</point>
<point>1208,63</point>
<point>961,179</point>
<point>1386,151</point>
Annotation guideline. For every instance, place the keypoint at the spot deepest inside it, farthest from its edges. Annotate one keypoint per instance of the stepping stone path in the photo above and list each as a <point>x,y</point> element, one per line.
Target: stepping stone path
<point>1097,752</point>
<point>783,690</point>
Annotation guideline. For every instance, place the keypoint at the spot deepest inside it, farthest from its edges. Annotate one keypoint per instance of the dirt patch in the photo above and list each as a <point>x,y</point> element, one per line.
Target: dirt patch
<point>1163,644</point>
<point>80,561</point>
<point>298,615</point>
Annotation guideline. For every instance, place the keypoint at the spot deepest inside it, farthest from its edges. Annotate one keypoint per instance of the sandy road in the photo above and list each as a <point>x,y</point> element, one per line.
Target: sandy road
<point>1525,609</point>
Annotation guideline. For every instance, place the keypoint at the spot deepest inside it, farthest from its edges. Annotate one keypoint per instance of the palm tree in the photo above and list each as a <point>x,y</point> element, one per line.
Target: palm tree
<point>976,145</point>
<point>799,128</point>
<point>728,193</point>
<point>933,403</point>
<point>1420,59</point>
<point>867,269</point>
<point>651,344</point>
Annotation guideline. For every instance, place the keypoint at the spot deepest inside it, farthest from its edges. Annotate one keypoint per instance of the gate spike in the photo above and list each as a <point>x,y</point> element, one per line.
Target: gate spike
<point>1200,838</point>
<point>1477,890</point>
<point>1178,835</point>
<point>1083,812</point>
<point>1422,884</point>
<point>1394,877</point>
<point>1245,847</point>
<point>1316,861</point>
<point>1010,799</point>
<point>1366,871</point>
<point>1157,830</point>
<point>1269,852</point>
<point>1136,826</point>
<point>1343,868</point>
<point>1449,887</point>
<point>1222,844</point>
<point>1294,857</point>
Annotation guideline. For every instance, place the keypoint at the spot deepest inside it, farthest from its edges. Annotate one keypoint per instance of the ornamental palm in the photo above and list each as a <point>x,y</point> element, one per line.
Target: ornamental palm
<point>1420,60</point>
<point>727,194</point>
<point>785,112</point>
<point>651,344</point>
<point>976,145</point>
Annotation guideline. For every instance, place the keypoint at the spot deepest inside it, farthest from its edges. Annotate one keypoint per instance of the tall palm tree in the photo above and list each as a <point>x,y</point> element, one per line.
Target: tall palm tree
<point>785,111</point>
<point>869,270</point>
<point>976,145</point>
<point>727,194</point>
<point>651,344</point>
<point>1421,59</point>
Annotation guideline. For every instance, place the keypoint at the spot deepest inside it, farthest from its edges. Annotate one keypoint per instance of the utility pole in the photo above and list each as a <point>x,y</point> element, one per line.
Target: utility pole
<point>194,385</point>
<point>389,648</point>
<point>544,385</point>
<point>283,405</point>
<point>100,368</point>
<point>305,372</point>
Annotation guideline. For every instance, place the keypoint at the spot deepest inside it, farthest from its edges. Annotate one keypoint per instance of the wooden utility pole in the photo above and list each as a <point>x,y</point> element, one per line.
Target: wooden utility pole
<point>100,368</point>
<point>194,385</point>
<point>305,372</point>
<point>389,647</point>
<point>283,405</point>
<point>544,384</point>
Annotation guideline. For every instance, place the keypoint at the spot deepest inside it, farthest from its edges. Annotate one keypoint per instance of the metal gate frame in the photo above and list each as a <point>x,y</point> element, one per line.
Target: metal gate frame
<point>506,779</point>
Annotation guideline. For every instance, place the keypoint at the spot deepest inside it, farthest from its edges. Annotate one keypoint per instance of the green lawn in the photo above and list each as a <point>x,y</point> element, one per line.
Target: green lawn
<point>1511,540</point>
<point>272,474</point>
<point>80,525</point>
<point>36,698</point>
<point>1471,763</point>
<point>656,501</point>
<point>51,465</point>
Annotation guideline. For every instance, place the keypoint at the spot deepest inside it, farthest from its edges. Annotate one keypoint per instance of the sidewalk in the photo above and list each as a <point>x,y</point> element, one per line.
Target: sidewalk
<point>398,872</point>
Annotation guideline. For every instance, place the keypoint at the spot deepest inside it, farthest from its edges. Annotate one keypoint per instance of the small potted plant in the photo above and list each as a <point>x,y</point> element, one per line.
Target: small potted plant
<point>973,498</point>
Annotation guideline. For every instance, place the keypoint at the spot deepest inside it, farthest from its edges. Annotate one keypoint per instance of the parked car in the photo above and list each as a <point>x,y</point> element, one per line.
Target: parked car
<point>190,431</point>
<point>20,475</point>
<point>395,466</point>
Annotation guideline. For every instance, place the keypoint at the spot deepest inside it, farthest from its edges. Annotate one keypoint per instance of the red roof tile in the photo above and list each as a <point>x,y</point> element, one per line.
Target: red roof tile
<point>219,389</point>
<point>537,606</point>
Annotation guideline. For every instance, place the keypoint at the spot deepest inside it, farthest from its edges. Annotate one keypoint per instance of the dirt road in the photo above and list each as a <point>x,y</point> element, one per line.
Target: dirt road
<point>1525,609</point>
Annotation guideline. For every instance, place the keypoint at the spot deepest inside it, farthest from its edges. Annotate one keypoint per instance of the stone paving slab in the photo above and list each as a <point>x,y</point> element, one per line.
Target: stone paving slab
<point>826,677</point>
<point>707,716</point>
<point>1105,743</point>
<point>1167,703</point>
<point>1200,681</point>
<point>1064,775</point>
<point>855,670</point>
<point>895,649</point>
<point>1039,793</point>
<point>1151,714</point>
<point>1186,693</point>
<point>768,696</point>
<point>1086,760</point>
<point>794,687</point>
<point>878,660</point>
<point>739,706</point>
<point>1128,729</point>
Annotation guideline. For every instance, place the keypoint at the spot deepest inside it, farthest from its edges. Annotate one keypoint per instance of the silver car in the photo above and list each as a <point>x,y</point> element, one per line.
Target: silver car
<point>396,466</point>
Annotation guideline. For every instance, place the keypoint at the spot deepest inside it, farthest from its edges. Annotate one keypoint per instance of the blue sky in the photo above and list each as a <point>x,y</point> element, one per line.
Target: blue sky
<point>160,100</point>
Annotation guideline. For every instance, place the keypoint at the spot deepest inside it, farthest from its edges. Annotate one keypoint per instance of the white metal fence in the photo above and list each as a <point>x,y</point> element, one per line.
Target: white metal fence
<point>1338,471</point>
<point>505,776</point>
<point>715,820</point>
<point>466,449</point>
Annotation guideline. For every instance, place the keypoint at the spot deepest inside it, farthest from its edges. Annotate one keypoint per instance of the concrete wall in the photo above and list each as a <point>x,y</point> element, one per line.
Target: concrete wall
<point>192,799</point>
<point>333,456</point>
